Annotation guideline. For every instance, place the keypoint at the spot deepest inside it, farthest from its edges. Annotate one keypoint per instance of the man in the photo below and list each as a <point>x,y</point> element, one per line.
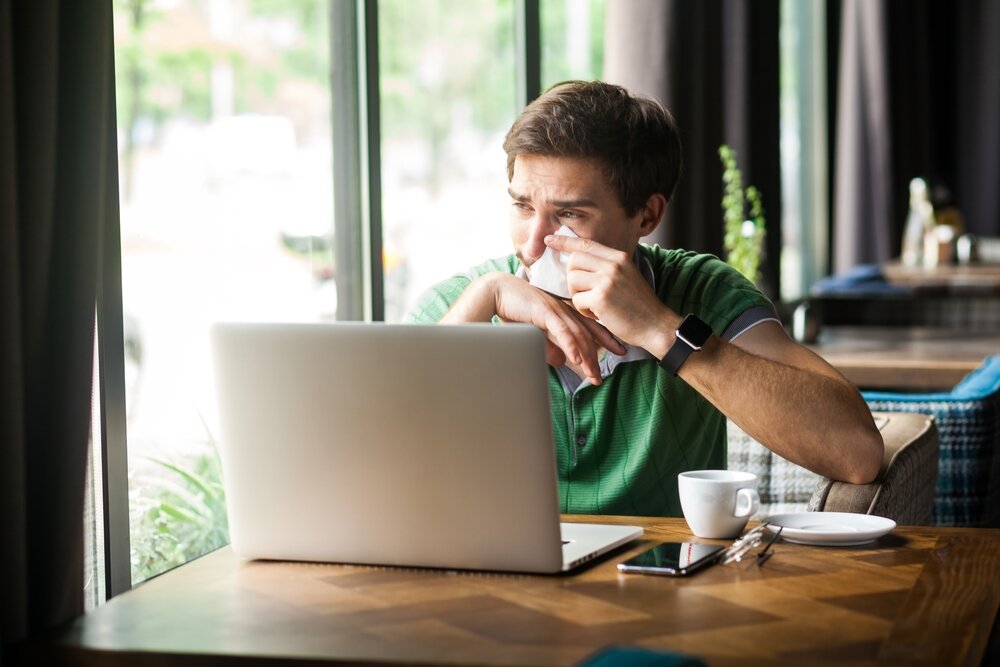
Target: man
<point>655,347</point>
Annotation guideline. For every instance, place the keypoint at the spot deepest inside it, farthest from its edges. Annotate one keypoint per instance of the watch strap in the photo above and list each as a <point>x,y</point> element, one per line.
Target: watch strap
<point>676,356</point>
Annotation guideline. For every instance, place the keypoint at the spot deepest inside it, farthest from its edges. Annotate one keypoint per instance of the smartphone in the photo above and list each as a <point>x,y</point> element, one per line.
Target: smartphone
<point>673,559</point>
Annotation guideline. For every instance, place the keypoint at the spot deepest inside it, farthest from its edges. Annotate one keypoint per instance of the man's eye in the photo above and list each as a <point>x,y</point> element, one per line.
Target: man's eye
<point>569,214</point>
<point>520,205</point>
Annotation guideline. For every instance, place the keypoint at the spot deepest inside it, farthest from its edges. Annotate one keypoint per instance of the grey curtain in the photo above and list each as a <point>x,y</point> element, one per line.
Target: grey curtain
<point>56,113</point>
<point>714,64</point>
<point>862,208</point>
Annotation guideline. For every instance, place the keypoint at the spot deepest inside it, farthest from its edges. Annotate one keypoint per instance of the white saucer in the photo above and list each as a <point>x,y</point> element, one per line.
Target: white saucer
<point>830,528</point>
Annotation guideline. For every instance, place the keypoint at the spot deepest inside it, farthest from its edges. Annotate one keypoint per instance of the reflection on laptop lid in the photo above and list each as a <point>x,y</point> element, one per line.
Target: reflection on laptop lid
<point>412,445</point>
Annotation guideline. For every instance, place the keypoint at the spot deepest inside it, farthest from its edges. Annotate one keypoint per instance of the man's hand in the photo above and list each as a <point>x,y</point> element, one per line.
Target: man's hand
<point>571,337</point>
<point>607,286</point>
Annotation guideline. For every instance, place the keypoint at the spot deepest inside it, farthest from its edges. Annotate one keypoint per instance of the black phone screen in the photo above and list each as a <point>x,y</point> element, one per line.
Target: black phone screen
<point>673,558</point>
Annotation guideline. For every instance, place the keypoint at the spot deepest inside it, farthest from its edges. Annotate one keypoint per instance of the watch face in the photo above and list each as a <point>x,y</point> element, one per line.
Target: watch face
<point>694,330</point>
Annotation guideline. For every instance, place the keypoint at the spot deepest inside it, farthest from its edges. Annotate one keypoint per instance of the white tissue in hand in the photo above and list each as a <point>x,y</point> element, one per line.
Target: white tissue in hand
<point>549,271</point>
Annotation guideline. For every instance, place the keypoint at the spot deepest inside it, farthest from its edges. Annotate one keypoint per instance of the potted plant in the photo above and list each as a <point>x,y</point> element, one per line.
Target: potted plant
<point>743,240</point>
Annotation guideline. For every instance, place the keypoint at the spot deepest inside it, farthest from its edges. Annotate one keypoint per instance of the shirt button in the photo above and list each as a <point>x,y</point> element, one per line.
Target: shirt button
<point>581,441</point>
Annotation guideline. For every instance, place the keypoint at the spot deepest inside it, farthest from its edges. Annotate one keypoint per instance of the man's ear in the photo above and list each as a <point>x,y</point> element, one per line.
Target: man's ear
<point>652,213</point>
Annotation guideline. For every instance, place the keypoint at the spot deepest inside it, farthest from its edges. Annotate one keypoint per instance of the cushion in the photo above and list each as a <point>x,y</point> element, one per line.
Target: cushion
<point>905,487</point>
<point>783,486</point>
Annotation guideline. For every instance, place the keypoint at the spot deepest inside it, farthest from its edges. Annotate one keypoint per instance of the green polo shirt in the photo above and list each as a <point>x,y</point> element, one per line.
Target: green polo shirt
<point>620,445</point>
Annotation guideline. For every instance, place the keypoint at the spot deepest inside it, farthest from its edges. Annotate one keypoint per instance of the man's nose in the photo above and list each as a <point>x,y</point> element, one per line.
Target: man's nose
<point>541,226</point>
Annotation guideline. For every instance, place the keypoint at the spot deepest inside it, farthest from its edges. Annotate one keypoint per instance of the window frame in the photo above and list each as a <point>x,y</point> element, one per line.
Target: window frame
<point>111,385</point>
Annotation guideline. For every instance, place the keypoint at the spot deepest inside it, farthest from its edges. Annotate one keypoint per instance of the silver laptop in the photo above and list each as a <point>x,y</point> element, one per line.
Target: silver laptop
<point>411,445</point>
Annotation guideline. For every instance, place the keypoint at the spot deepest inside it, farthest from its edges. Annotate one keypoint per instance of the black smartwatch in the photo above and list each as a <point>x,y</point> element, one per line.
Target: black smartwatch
<point>692,334</point>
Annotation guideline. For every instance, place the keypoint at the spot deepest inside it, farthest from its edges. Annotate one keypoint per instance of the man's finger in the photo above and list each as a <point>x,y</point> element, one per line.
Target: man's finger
<point>604,337</point>
<point>568,332</point>
<point>574,244</point>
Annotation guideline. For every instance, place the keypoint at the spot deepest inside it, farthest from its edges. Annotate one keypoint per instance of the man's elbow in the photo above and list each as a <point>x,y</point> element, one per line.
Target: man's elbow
<point>867,457</point>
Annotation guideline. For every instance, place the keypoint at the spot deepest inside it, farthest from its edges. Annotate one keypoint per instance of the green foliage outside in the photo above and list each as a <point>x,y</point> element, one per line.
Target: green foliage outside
<point>743,239</point>
<point>163,65</point>
<point>177,512</point>
<point>419,72</point>
<point>555,61</point>
<point>437,58</point>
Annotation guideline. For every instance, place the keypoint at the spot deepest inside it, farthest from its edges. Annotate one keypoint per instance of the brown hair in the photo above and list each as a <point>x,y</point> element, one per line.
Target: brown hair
<point>634,137</point>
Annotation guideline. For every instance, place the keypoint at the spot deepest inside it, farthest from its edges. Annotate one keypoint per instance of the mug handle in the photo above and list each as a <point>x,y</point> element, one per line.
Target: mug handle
<point>747,502</point>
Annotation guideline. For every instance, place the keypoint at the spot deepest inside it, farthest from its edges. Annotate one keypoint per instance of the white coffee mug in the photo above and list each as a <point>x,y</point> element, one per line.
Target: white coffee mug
<point>717,503</point>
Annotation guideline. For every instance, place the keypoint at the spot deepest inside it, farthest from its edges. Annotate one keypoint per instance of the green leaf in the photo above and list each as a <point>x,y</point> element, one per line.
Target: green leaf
<point>195,480</point>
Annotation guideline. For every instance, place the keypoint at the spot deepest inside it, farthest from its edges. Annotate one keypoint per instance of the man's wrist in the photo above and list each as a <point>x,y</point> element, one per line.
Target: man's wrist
<point>663,335</point>
<point>689,337</point>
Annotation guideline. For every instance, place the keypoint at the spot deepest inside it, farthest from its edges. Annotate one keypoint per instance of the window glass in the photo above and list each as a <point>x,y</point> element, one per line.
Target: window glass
<point>225,156</point>
<point>572,36</point>
<point>448,94</point>
<point>804,205</point>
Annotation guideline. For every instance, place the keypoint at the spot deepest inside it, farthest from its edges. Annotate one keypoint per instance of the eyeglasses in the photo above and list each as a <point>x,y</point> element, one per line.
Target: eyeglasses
<point>750,541</point>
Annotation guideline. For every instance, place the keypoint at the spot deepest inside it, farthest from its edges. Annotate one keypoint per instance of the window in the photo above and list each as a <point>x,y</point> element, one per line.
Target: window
<point>572,40</point>
<point>803,147</point>
<point>228,136</point>
<point>226,213</point>
<point>448,87</point>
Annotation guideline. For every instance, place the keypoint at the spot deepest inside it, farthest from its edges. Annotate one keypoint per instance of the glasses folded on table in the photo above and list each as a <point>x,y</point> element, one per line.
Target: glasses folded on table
<point>750,541</point>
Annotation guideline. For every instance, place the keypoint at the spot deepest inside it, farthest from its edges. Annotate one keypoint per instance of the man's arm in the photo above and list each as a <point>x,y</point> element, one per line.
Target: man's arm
<point>777,391</point>
<point>571,336</point>
<point>790,399</point>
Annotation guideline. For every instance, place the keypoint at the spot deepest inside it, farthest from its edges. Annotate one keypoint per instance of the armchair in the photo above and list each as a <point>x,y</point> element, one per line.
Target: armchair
<point>968,420</point>
<point>903,491</point>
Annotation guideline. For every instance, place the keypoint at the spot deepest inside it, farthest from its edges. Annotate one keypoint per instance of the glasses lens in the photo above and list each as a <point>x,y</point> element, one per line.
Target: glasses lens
<point>755,543</point>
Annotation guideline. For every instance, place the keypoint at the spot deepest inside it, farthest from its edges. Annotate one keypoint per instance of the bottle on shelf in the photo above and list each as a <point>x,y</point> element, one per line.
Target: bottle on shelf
<point>919,231</point>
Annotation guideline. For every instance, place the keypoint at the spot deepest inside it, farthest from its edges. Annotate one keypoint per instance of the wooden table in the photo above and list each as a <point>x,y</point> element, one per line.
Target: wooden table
<point>973,278</point>
<point>905,358</point>
<point>916,596</point>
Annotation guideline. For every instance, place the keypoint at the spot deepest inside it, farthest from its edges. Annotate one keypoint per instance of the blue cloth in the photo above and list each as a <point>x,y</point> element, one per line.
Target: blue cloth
<point>968,422</point>
<point>976,386</point>
<point>633,656</point>
<point>862,280</point>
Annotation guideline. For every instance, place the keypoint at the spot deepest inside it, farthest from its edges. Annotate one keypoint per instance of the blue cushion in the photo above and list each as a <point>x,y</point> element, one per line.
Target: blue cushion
<point>980,383</point>
<point>862,280</point>
<point>976,386</point>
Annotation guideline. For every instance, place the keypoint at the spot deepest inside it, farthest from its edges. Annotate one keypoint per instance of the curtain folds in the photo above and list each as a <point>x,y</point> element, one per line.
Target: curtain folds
<point>714,64</point>
<point>56,94</point>
<point>863,204</point>
<point>915,93</point>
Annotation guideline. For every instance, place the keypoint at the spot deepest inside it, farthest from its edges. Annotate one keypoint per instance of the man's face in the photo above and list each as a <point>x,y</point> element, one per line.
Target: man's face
<point>548,192</point>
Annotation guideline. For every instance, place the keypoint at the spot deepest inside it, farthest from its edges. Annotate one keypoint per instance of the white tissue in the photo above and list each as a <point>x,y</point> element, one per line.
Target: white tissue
<point>549,271</point>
